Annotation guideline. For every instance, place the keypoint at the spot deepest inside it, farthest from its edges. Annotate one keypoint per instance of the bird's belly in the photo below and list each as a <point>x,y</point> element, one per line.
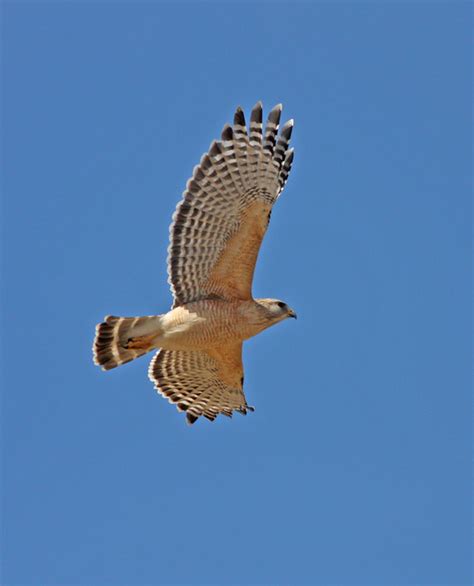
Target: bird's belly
<point>201,325</point>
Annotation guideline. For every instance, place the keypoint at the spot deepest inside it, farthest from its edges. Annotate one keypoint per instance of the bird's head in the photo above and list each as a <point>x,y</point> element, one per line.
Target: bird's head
<point>275,310</point>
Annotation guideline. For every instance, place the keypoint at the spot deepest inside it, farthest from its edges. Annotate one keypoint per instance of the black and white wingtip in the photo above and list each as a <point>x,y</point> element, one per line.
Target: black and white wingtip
<point>271,128</point>
<point>275,113</point>
<point>256,124</point>
<point>227,133</point>
<point>190,418</point>
<point>240,128</point>
<point>239,117</point>
<point>283,140</point>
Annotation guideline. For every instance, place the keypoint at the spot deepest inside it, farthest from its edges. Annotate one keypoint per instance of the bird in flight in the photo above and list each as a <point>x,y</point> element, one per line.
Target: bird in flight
<point>215,236</point>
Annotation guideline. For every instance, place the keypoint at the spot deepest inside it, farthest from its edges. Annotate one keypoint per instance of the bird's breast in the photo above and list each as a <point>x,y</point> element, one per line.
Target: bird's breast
<point>205,324</point>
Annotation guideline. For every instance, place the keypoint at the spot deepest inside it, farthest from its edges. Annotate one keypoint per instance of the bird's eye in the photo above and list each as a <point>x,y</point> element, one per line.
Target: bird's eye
<point>281,304</point>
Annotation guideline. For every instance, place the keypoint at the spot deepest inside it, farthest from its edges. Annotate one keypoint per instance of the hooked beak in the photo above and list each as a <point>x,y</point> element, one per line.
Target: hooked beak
<point>291,313</point>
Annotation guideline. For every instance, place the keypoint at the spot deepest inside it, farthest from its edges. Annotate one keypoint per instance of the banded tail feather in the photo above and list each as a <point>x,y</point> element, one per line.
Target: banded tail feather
<point>119,340</point>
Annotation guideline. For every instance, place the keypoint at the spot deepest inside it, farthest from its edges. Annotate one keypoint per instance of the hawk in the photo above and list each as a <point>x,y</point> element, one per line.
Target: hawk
<point>215,236</point>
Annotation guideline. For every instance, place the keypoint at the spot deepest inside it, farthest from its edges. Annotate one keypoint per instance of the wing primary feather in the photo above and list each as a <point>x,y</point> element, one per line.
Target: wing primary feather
<point>240,129</point>
<point>283,140</point>
<point>285,168</point>
<point>271,128</point>
<point>266,166</point>
<point>190,418</point>
<point>256,124</point>
<point>239,117</point>
<point>229,149</point>
<point>227,133</point>
<point>241,146</point>
<point>215,149</point>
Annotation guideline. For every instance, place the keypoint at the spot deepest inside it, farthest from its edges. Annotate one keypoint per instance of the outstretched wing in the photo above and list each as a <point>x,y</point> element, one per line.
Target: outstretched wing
<point>219,224</point>
<point>201,382</point>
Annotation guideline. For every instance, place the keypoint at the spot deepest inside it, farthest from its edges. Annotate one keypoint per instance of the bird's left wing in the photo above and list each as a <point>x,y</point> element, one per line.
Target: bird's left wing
<point>219,224</point>
<point>201,382</point>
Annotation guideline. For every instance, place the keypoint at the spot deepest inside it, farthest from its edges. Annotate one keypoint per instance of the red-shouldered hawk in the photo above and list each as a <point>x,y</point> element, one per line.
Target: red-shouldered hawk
<point>215,237</point>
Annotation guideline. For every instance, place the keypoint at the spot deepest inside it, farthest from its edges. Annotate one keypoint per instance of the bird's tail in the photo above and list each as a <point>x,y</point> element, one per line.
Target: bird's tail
<point>121,339</point>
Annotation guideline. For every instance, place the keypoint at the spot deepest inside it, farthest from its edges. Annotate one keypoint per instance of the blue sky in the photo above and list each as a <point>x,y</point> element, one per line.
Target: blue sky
<point>355,467</point>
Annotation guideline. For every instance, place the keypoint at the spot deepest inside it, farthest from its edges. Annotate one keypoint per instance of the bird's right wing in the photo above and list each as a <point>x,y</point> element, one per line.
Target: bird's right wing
<point>201,382</point>
<point>219,224</point>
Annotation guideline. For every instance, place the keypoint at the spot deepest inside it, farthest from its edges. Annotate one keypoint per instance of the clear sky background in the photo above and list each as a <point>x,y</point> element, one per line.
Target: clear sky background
<point>355,467</point>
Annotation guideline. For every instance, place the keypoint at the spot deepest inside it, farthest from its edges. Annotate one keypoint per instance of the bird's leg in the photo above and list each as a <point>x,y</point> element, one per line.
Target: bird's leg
<point>142,342</point>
